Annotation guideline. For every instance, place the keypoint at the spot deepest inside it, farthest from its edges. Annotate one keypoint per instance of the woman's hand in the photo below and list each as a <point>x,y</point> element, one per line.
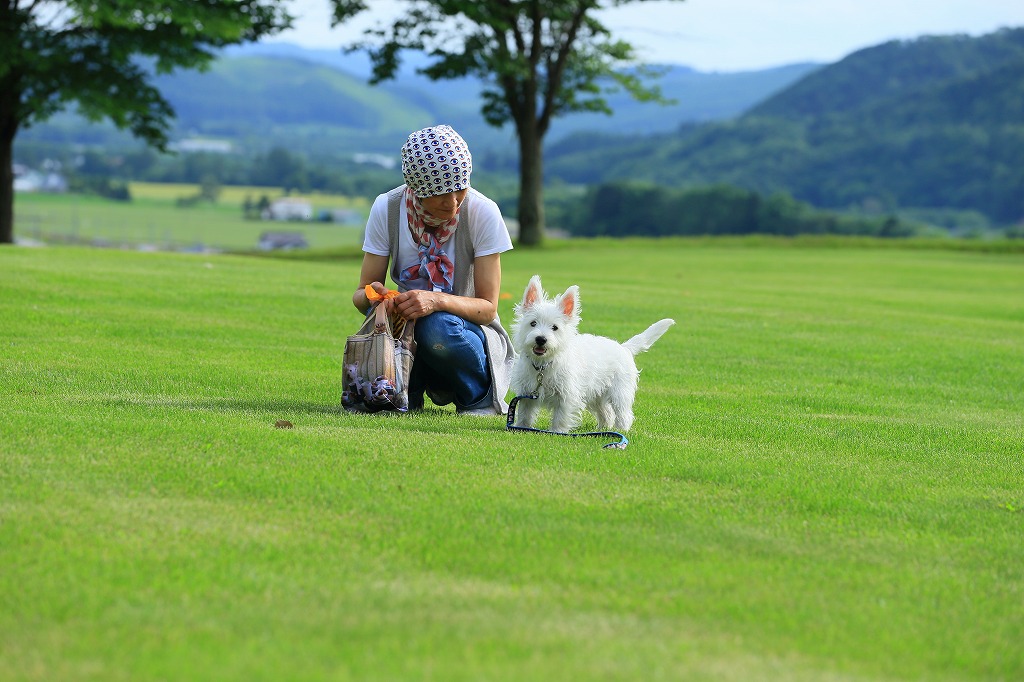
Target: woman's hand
<point>362,300</point>
<point>413,304</point>
<point>379,288</point>
<point>374,271</point>
<point>416,303</point>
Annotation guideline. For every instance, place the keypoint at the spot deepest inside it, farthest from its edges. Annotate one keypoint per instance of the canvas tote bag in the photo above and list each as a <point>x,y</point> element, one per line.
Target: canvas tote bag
<point>378,361</point>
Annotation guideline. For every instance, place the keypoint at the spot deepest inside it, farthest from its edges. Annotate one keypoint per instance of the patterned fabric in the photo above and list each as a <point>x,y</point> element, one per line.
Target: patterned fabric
<point>436,161</point>
<point>435,269</point>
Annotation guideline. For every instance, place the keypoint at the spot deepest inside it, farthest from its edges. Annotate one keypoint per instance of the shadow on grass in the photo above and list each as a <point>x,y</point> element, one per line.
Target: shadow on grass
<point>282,407</point>
<point>431,419</point>
<point>229,405</point>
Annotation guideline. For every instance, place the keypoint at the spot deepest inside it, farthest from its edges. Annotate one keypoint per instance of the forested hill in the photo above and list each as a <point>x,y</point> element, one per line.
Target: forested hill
<point>319,103</point>
<point>890,74</point>
<point>695,95</point>
<point>936,122</point>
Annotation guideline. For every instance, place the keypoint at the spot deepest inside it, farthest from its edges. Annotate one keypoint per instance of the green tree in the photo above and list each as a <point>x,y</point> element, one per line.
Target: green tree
<point>537,60</point>
<point>102,56</point>
<point>209,188</point>
<point>263,205</point>
<point>279,168</point>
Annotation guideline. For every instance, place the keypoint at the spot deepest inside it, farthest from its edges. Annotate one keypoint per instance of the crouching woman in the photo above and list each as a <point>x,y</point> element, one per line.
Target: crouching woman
<point>443,241</point>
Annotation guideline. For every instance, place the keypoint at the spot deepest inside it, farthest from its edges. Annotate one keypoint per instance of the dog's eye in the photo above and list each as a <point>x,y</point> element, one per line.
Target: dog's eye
<point>534,323</point>
<point>554,327</point>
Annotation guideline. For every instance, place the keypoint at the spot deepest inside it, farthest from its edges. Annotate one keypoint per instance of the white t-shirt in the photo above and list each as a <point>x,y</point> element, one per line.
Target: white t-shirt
<point>480,215</point>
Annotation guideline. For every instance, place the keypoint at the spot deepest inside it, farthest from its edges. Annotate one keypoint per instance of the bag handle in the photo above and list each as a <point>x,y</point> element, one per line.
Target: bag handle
<point>380,319</point>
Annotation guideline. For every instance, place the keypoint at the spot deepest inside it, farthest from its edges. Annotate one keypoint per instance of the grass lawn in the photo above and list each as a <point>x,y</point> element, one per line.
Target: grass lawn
<point>824,480</point>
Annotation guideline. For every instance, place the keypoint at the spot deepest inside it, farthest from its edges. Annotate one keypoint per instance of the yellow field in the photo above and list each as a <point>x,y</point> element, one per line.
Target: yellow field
<point>235,195</point>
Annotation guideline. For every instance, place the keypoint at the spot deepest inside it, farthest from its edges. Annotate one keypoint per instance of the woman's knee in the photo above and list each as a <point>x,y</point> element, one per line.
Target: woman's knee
<point>441,334</point>
<point>437,332</point>
<point>438,329</point>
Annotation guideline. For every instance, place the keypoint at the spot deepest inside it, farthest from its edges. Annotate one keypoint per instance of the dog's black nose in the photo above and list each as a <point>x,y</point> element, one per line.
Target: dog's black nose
<point>539,340</point>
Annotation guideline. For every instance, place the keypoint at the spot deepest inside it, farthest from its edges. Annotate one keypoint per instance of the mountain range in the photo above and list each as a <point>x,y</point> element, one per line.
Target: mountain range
<point>931,123</point>
<point>319,102</point>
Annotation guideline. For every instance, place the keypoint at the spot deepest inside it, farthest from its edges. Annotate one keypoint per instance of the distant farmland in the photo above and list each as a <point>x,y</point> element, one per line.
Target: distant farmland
<point>154,219</point>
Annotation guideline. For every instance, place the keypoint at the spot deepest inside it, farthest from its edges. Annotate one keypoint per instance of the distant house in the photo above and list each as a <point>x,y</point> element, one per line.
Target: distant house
<point>383,160</point>
<point>196,144</point>
<point>289,208</point>
<point>282,241</point>
<point>347,216</point>
<point>28,180</point>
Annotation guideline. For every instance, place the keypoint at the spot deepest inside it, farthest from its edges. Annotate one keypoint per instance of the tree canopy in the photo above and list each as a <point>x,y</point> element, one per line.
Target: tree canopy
<point>101,56</point>
<point>536,59</point>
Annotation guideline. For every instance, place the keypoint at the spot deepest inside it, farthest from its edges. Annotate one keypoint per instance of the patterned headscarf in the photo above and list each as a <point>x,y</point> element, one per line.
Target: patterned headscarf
<point>434,161</point>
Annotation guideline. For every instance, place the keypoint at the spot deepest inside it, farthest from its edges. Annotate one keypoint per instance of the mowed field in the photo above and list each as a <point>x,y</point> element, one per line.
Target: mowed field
<point>824,480</point>
<point>154,220</point>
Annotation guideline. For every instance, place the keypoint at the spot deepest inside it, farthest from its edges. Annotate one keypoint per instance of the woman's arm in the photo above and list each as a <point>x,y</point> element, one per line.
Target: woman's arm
<point>482,309</point>
<point>374,271</point>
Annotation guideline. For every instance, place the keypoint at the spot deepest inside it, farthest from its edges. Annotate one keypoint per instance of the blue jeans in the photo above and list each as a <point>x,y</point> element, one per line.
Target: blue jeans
<point>451,363</point>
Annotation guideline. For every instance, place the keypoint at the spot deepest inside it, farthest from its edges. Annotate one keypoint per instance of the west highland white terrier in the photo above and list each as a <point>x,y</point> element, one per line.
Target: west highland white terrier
<point>569,371</point>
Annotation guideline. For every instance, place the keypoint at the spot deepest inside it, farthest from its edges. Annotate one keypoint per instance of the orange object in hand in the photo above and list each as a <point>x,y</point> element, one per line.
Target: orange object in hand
<point>372,295</point>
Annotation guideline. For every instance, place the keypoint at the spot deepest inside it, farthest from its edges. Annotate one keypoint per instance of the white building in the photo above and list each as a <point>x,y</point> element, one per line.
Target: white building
<point>289,208</point>
<point>28,180</point>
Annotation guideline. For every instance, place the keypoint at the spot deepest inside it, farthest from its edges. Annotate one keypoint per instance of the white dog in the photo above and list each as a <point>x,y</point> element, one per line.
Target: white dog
<point>569,371</point>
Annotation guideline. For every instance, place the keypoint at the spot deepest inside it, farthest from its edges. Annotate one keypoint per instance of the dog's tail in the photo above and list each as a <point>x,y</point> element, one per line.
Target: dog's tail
<point>644,340</point>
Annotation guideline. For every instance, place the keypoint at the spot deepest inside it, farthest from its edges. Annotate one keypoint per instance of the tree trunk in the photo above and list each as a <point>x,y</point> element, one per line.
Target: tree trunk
<point>531,185</point>
<point>6,186</point>
<point>8,129</point>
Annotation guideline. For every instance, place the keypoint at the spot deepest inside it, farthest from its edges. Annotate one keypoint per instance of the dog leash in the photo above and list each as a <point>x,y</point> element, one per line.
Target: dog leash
<point>510,425</point>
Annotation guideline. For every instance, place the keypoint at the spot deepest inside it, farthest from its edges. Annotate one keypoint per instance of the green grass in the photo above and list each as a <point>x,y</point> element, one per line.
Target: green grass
<point>152,218</point>
<point>824,480</point>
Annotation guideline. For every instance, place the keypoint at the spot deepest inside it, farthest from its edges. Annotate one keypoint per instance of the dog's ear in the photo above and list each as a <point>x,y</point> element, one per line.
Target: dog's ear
<point>534,292</point>
<point>569,303</point>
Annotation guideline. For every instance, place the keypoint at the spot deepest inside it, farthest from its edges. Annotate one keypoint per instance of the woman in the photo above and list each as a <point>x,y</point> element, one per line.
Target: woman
<point>444,241</point>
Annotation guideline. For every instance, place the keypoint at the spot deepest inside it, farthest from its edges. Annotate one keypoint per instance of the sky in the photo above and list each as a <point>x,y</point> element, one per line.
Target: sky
<point>732,35</point>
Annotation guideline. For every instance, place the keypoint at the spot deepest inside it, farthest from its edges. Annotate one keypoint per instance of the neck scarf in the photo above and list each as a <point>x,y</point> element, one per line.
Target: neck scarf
<point>435,269</point>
